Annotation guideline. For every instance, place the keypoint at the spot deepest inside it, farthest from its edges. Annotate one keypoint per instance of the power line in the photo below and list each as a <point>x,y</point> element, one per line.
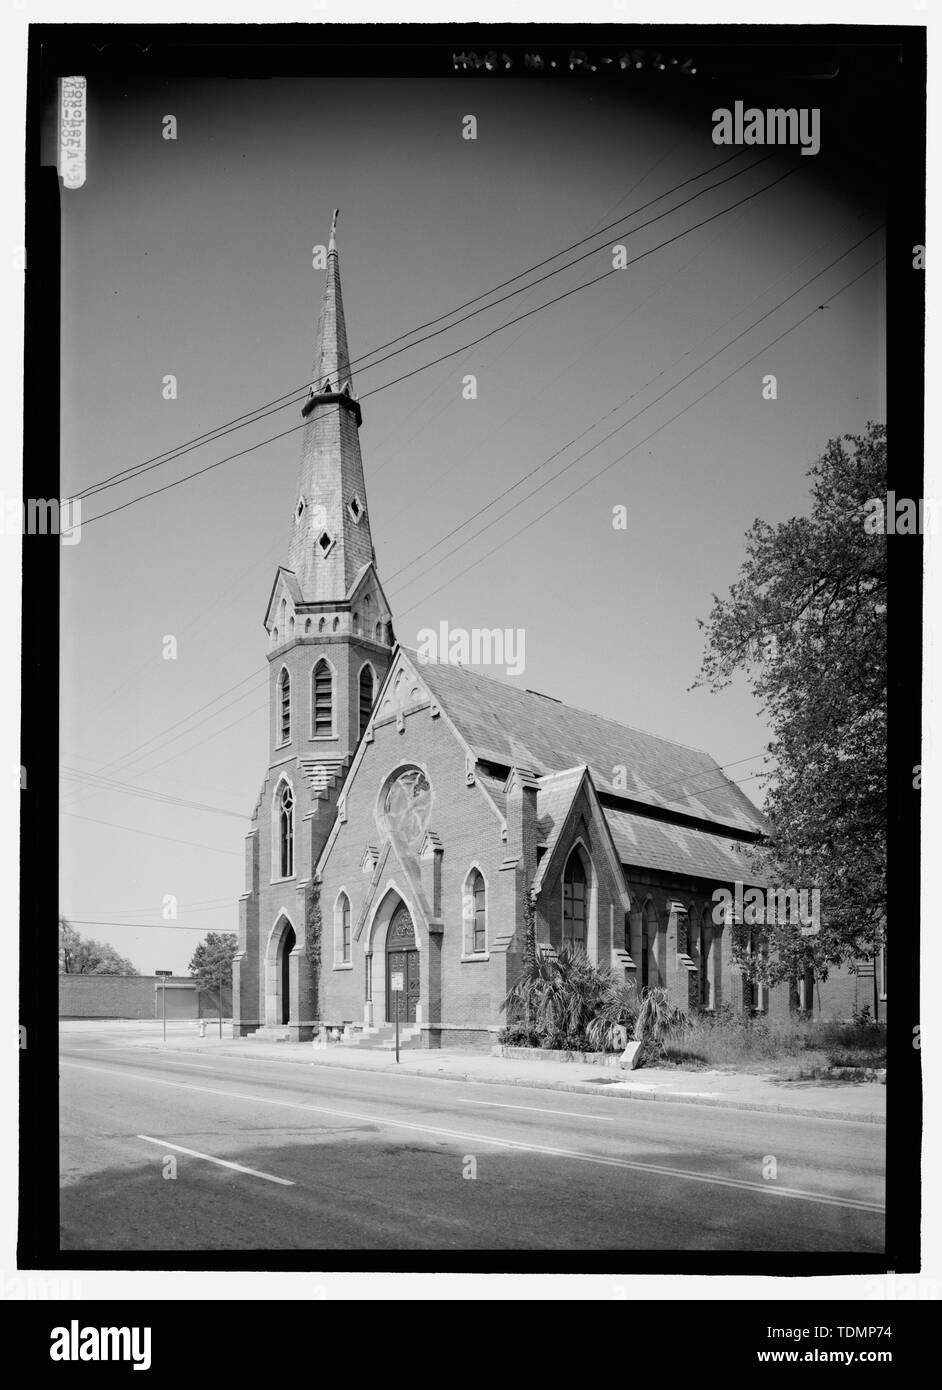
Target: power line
<point>141,750</point>
<point>164,798</point>
<point>152,835</point>
<point>280,402</point>
<point>139,926</point>
<point>201,905</point>
<point>445,356</point>
<point>639,444</point>
<point>606,438</point>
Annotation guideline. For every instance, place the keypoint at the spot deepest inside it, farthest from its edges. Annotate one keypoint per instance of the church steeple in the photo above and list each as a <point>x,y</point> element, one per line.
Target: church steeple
<point>331,539</point>
<point>329,624</point>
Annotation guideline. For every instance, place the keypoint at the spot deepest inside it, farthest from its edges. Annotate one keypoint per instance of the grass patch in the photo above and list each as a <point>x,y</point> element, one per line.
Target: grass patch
<point>796,1049</point>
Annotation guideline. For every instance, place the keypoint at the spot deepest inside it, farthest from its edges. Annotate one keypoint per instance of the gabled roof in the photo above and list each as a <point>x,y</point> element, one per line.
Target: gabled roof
<point>557,796</point>
<point>679,849</point>
<point>508,726</point>
<point>290,580</point>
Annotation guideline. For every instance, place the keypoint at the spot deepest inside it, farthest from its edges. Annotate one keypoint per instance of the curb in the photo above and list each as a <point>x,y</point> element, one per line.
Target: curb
<point>578,1087</point>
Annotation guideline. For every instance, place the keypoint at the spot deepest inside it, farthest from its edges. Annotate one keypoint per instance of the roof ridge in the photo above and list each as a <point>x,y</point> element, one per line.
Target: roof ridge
<point>505,685</point>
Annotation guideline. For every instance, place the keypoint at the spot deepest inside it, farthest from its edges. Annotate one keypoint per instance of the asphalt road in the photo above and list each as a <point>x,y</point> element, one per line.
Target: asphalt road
<point>163,1151</point>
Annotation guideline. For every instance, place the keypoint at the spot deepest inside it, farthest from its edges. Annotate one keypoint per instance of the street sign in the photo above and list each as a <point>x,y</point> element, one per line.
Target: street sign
<point>397,980</point>
<point>163,996</point>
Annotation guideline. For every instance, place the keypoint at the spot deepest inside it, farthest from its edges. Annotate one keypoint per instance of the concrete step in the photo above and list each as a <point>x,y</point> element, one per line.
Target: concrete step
<point>384,1036</point>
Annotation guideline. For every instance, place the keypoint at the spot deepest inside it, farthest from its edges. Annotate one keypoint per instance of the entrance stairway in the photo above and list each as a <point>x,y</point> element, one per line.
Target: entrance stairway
<point>383,1036</point>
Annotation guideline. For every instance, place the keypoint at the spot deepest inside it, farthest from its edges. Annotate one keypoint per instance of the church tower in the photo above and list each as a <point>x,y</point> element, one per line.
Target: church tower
<point>330,642</point>
<point>328,623</point>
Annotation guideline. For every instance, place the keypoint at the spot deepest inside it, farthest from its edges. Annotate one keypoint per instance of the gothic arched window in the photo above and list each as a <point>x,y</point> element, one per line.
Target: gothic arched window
<point>475,914</point>
<point>342,926</point>
<point>284,706</point>
<point>322,700</point>
<point>366,697</point>
<point>322,625</point>
<point>574,901</point>
<point>286,831</point>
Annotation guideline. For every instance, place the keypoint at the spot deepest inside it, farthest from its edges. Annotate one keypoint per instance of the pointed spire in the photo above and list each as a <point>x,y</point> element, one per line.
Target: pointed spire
<point>331,541</point>
<point>332,363</point>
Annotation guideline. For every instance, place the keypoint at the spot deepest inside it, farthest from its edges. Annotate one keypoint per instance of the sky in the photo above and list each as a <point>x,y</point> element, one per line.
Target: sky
<point>193,257</point>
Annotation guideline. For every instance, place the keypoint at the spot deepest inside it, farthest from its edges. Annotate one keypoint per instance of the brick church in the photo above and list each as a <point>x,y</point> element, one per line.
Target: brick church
<point>414,815</point>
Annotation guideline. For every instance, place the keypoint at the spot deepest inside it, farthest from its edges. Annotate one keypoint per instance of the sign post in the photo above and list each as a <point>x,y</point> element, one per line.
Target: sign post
<point>396,984</point>
<point>163,996</point>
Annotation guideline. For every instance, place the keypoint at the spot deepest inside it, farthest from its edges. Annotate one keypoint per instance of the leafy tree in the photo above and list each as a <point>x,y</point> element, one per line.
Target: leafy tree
<point>806,622</point>
<point>211,964</point>
<point>78,956</point>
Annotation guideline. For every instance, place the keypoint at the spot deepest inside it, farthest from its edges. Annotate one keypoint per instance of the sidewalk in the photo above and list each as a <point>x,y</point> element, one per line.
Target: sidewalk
<point>836,1100</point>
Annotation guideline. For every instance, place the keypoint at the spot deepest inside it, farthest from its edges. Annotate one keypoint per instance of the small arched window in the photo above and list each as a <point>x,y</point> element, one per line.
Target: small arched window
<point>284,706</point>
<point>322,700</point>
<point>366,697</point>
<point>307,627</point>
<point>476,913</point>
<point>322,625</point>
<point>336,625</point>
<point>342,921</point>
<point>379,632</point>
<point>574,901</point>
<point>367,603</point>
<point>286,831</point>
<point>356,623</point>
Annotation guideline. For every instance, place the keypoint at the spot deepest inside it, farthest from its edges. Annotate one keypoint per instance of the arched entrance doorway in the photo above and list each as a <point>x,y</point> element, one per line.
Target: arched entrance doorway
<point>284,978</point>
<point>402,958</point>
<point>281,942</point>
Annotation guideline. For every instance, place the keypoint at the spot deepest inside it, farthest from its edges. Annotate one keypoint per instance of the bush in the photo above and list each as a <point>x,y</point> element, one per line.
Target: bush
<point>518,1035</point>
<point>570,1004</point>
<point>801,1046</point>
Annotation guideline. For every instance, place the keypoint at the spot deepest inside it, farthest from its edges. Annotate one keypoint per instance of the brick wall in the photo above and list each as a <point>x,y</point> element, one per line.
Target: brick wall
<point>465,993</point>
<point>134,996</point>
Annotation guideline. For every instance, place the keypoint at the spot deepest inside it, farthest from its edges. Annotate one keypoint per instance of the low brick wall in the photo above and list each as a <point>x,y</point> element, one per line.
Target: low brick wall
<point>548,1054</point>
<point>136,996</point>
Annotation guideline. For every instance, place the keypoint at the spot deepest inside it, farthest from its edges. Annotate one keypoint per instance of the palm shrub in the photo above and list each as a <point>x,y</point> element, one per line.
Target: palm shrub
<point>658,1018</point>
<point>571,1003</point>
<point>612,1026</point>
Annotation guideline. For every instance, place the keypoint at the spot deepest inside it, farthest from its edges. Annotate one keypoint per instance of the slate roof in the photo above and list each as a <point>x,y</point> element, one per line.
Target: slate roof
<point>509,726</point>
<point>645,843</point>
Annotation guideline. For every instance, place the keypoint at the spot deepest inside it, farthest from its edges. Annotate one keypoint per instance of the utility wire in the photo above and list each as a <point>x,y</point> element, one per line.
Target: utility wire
<point>279,402</point>
<point>639,444</point>
<point>610,435</point>
<point>445,356</point>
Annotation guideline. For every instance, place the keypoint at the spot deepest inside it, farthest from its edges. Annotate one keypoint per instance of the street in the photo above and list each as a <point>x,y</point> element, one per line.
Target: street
<point>165,1151</point>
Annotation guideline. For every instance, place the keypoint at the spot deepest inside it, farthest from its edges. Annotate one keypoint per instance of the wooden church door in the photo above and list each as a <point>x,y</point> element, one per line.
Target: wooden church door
<point>402,957</point>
